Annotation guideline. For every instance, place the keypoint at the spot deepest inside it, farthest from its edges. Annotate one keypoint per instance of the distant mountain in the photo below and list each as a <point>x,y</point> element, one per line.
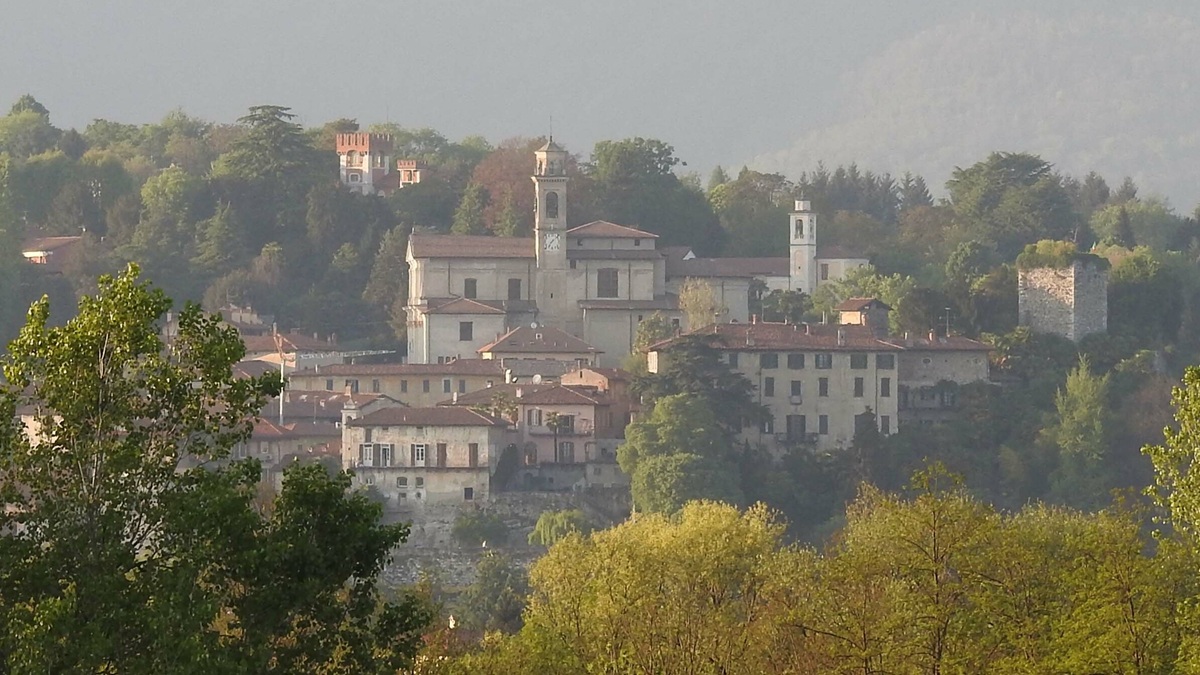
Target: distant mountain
<point>1117,95</point>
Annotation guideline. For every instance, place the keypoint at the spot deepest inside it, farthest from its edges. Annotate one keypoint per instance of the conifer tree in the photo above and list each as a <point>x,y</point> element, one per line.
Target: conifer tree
<point>468,217</point>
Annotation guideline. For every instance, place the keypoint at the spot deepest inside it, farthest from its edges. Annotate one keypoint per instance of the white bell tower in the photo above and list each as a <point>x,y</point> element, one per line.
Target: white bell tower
<point>803,248</point>
<point>550,208</point>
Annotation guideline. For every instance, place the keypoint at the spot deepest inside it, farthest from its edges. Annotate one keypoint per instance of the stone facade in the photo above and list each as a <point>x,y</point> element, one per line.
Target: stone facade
<point>1071,301</point>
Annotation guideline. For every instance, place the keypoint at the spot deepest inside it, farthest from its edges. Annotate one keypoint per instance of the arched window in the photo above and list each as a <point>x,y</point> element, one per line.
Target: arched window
<point>352,158</point>
<point>551,204</point>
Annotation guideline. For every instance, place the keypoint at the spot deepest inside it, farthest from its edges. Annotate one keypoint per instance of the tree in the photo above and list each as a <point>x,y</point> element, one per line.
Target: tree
<point>1082,435</point>
<point>479,528</point>
<point>468,217</point>
<point>865,282</point>
<point>754,210</point>
<point>554,526</point>
<point>221,247</point>
<point>495,600</point>
<point>389,272</point>
<point>913,192</point>
<point>133,542</point>
<point>1149,222</point>
<point>27,103</point>
<point>699,303</point>
<point>507,223</point>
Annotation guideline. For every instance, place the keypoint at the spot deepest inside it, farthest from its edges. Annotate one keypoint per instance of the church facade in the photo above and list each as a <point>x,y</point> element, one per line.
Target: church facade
<point>596,281</point>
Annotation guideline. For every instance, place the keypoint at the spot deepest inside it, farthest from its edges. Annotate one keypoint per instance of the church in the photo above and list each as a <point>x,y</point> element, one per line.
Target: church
<point>596,281</point>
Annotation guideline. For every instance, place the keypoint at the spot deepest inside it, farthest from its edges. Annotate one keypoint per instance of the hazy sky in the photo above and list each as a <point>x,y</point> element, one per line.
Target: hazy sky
<point>779,85</point>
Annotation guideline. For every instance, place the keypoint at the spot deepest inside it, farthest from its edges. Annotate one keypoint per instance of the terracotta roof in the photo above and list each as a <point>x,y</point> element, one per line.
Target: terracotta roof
<point>765,337</point>
<point>41,244</point>
<point>319,404</point>
<point>253,368</point>
<point>614,374</point>
<point>464,306</point>
<point>834,252</point>
<point>613,254</point>
<point>532,394</point>
<point>455,367</point>
<point>314,429</point>
<point>444,416</point>
<point>926,343</point>
<point>667,302</point>
<point>607,230</point>
<point>542,340</point>
<point>469,246</point>
<point>859,304</point>
<point>292,342</point>
<point>526,369</point>
<point>727,267</point>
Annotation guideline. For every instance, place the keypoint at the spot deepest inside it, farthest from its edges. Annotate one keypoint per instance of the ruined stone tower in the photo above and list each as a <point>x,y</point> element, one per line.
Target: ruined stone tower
<point>1069,301</point>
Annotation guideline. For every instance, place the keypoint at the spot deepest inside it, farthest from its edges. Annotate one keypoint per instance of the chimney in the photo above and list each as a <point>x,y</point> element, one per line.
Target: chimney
<point>807,328</point>
<point>753,319</point>
<point>933,336</point>
<point>454,397</point>
<point>520,392</point>
<point>841,338</point>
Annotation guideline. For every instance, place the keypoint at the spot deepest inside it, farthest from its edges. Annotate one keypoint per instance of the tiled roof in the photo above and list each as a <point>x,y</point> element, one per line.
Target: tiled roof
<point>614,374</point>
<point>542,340</point>
<point>444,416</point>
<point>464,306</point>
<point>859,304</point>
<point>668,301</point>
<point>607,230</point>
<point>763,336</point>
<point>834,252</point>
<point>319,404</point>
<point>613,254</point>
<point>727,267</point>
<point>314,429</point>
<point>253,368</point>
<point>455,367</point>
<point>526,369</point>
<point>48,243</point>
<point>469,246</point>
<point>532,394</point>
<point>927,343</point>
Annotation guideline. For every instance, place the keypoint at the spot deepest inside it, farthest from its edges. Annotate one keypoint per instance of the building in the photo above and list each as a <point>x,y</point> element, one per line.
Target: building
<point>540,343</point>
<point>819,382</point>
<point>365,164</point>
<point>415,384</point>
<point>50,252</point>
<point>424,456</point>
<point>596,281</point>
<point>1071,301</point>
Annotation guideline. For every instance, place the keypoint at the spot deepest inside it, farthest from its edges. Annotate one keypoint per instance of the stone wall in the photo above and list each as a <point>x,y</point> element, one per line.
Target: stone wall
<point>1071,302</point>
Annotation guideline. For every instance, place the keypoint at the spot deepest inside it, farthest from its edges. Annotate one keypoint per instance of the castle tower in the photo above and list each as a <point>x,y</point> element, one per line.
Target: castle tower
<point>1069,300</point>
<point>803,247</point>
<point>550,208</point>
<point>364,160</point>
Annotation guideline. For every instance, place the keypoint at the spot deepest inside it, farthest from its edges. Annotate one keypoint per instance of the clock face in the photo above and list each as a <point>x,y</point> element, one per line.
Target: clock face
<point>552,241</point>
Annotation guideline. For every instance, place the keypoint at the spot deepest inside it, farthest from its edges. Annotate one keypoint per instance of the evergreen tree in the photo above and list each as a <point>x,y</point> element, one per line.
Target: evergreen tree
<point>507,223</point>
<point>914,192</point>
<point>468,217</point>
<point>388,282</point>
<point>221,246</point>
<point>718,177</point>
<point>1124,232</point>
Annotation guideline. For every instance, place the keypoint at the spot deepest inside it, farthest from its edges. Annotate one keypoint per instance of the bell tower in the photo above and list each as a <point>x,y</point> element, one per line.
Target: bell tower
<point>803,247</point>
<point>550,207</point>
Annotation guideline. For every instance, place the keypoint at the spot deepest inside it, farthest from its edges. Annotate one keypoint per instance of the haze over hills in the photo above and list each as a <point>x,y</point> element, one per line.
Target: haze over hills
<point>1117,95</point>
<point>778,85</point>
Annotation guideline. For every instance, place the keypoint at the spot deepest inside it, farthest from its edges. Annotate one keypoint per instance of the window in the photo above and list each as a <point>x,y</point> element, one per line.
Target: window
<point>799,229</point>
<point>472,455</point>
<point>441,455</point>
<point>425,386</point>
<point>768,386</point>
<point>418,456</point>
<point>551,204</point>
<point>352,386</point>
<point>385,452</point>
<point>514,289</point>
<point>420,482</point>
<point>403,386</point>
<point>446,386</point>
<point>885,387</point>
<point>566,452</point>
<point>470,288</point>
<point>824,271</point>
<point>885,424</point>
<point>797,427</point>
<point>462,386</point>
<point>401,481</point>
<point>402,495</point>
<point>366,454</point>
<point>369,479</point>
<point>375,386</point>
<point>468,494</point>
<point>858,387</point>
<point>795,361</point>
<point>606,283</point>
<point>948,399</point>
<point>823,361</point>
<point>733,359</point>
<point>466,331</point>
<point>858,361</point>
<point>637,242</point>
<point>530,455</point>
<point>768,360</point>
<point>797,388</point>
<point>328,385</point>
<point>822,425</point>
<point>823,386</point>
<point>885,361</point>
<point>768,425</point>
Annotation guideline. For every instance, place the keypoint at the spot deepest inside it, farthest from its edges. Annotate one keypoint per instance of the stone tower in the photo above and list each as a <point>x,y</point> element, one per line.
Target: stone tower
<point>364,160</point>
<point>803,248</point>
<point>1068,301</point>
<point>550,232</point>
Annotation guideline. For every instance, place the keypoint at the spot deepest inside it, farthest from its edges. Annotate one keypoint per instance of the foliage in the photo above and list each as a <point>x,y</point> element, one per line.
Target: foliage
<point>134,543</point>
<point>468,217</point>
<point>699,303</point>
<point>476,527</point>
<point>865,282</point>
<point>495,600</point>
<point>1058,255</point>
<point>554,526</point>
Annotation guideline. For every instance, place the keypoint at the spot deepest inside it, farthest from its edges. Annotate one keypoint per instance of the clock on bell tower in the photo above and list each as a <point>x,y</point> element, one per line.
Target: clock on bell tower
<point>550,206</point>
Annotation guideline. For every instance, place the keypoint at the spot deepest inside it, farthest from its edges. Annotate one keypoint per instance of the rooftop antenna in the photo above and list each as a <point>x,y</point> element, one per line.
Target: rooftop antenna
<point>552,128</point>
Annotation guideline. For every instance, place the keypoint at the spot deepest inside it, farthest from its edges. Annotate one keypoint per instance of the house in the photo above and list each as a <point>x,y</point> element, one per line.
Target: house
<point>820,382</point>
<point>416,384</point>
<point>567,436</point>
<point>51,252</point>
<point>278,446</point>
<point>540,343</point>
<point>417,457</point>
<point>595,281</point>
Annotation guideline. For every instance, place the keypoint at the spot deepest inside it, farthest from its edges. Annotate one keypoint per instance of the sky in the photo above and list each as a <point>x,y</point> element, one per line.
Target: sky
<point>775,85</point>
